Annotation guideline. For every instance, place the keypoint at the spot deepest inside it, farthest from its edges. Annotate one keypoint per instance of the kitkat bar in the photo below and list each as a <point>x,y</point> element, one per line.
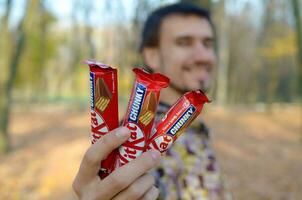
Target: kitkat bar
<point>140,113</point>
<point>179,117</point>
<point>103,105</point>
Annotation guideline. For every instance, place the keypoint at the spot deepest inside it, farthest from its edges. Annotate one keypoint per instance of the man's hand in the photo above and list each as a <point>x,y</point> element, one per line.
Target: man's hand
<point>130,181</point>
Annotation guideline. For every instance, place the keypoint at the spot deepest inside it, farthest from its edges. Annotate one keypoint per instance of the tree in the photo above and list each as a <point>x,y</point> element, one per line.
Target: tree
<point>6,98</point>
<point>223,53</point>
<point>204,3</point>
<point>298,22</point>
<point>5,40</point>
<point>88,7</point>
<point>31,76</point>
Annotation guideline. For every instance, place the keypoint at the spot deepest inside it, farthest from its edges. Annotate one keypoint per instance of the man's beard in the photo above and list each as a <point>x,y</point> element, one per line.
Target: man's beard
<point>181,90</point>
<point>203,84</point>
<point>203,87</point>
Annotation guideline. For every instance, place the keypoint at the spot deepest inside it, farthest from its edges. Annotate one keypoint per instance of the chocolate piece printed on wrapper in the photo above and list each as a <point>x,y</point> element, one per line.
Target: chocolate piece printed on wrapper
<point>102,94</point>
<point>148,110</point>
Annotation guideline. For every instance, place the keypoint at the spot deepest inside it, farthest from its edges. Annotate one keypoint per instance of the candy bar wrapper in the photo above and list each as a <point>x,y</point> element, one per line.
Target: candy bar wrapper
<point>176,120</point>
<point>103,106</point>
<point>140,113</point>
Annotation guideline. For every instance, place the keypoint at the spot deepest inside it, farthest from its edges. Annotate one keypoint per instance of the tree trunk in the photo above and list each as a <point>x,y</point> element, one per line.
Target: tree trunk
<point>6,100</point>
<point>5,38</point>
<point>88,30</point>
<point>42,47</point>
<point>203,3</point>
<point>223,55</point>
<point>4,138</point>
<point>297,17</point>
<point>75,47</point>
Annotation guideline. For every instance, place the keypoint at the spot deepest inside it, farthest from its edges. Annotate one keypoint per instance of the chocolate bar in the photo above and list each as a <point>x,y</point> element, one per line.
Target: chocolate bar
<point>176,120</point>
<point>103,107</point>
<point>140,113</point>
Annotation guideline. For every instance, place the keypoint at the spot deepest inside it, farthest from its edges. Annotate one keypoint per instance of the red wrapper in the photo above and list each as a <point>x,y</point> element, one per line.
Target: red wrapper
<point>140,113</point>
<point>179,117</point>
<point>103,105</point>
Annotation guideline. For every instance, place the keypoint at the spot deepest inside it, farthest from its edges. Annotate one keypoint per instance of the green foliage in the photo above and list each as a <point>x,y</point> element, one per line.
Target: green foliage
<point>40,46</point>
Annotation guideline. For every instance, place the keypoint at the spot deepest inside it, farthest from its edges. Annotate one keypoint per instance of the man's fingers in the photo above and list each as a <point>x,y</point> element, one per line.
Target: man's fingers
<point>98,151</point>
<point>125,175</point>
<point>137,189</point>
<point>151,194</point>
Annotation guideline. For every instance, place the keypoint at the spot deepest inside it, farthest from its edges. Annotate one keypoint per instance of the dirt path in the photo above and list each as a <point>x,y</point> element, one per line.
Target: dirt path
<point>260,154</point>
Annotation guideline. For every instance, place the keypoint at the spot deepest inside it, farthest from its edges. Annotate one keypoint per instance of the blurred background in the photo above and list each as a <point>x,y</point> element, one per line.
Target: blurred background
<point>255,117</point>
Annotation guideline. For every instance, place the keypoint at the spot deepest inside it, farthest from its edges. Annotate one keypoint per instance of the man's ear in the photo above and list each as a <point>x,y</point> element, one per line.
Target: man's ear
<point>152,58</point>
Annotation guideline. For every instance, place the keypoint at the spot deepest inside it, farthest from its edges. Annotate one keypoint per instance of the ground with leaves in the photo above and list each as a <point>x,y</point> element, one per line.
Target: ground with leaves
<point>259,153</point>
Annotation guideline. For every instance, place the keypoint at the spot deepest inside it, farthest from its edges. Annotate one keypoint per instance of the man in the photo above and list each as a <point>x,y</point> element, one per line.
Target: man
<point>177,41</point>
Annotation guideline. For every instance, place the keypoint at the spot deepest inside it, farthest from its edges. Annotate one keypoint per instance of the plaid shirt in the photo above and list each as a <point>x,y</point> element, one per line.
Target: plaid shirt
<point>189,169</point>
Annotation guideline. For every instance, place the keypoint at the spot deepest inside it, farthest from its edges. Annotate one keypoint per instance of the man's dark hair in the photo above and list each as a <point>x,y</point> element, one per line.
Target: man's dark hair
<point>151,29</point>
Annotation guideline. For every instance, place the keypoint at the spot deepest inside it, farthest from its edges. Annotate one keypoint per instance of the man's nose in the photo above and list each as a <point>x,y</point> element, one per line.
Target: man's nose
<point>203,54</point>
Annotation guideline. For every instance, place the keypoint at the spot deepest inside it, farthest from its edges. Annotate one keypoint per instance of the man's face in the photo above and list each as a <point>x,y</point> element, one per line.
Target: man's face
<point>186,51</point>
